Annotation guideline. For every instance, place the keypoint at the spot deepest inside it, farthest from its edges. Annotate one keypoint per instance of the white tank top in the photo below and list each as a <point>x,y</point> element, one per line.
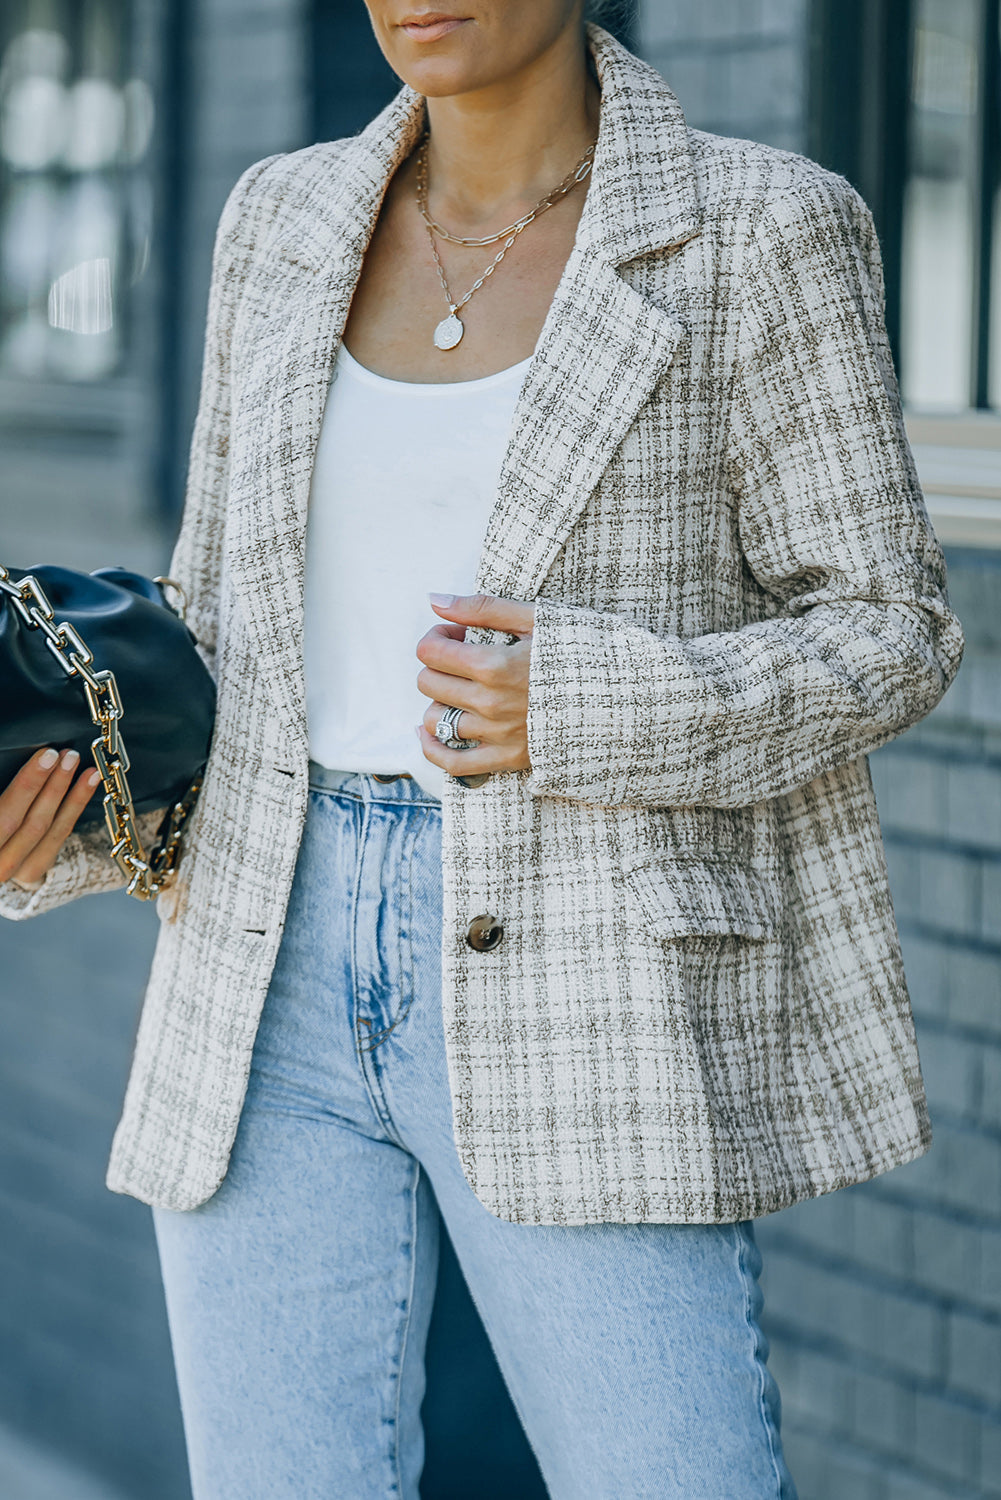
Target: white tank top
<point>404,480</point>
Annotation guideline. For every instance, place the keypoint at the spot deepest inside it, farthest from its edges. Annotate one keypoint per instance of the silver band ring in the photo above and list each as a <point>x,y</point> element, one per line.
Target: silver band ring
<point>445,730</point>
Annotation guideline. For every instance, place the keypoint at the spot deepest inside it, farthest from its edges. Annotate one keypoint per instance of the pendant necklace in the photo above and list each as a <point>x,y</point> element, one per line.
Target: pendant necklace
<point>449,331</point>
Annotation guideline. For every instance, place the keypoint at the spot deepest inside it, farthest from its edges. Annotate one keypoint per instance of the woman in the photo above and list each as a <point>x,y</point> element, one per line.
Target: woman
<point>609,967</point>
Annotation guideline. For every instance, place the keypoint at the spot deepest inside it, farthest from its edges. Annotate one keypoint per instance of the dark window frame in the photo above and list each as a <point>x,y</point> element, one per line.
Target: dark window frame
<point>859,68</point>
<point>861,59</point>
<point>986,188</point>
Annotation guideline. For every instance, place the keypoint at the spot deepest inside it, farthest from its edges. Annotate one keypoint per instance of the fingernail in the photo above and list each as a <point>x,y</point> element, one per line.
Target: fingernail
<point>48,760</point>
<point>417,730</point>
<point>70,759</point>
<point>443,601</point>
<point>93,777</point>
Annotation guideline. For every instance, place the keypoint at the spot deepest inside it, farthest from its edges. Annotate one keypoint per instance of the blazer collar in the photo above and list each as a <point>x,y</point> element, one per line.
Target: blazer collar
<point>642,195</point>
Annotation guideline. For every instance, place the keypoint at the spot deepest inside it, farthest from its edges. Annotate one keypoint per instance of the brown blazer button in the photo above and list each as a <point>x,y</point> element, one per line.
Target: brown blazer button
<point>484,933</point>
<point>477,780</point>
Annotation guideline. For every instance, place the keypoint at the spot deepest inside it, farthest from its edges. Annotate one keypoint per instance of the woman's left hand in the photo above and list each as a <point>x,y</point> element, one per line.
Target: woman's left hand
<point>490,683</point>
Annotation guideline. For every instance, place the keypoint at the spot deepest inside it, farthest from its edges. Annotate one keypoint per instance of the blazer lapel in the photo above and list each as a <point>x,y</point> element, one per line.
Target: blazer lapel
<point>603,346</point>
<point>601,351</point>
<point>314,258</point>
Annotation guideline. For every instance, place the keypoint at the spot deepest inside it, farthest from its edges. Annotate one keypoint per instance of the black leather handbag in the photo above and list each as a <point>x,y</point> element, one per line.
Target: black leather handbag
<point>80,651</point>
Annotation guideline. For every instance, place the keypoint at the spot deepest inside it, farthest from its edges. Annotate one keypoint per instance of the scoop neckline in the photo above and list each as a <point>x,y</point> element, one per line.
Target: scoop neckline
<point>423,387</point>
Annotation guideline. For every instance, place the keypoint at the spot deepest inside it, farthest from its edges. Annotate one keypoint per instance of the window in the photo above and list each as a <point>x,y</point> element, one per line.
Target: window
<point>905,101</point>
<point>75,204</point>
<point>951,247</point>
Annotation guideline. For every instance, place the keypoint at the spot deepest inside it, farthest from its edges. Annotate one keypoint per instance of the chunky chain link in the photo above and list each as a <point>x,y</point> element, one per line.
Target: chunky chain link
<point>146,876</point>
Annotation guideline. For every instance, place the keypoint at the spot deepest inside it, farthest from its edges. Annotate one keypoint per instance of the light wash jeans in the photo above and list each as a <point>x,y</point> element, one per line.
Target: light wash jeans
<point>299,1296</point>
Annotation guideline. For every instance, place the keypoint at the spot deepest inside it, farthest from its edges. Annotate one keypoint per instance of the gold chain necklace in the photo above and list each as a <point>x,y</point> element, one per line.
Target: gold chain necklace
<point>449,331</point>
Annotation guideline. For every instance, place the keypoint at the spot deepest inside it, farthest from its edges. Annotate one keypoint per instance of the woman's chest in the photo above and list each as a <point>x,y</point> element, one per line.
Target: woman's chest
<point>408,283</point>
<point>405,477</point>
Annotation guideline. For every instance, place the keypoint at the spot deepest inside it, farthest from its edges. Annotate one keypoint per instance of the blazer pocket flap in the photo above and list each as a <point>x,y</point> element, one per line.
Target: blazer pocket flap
<point>689,897</point>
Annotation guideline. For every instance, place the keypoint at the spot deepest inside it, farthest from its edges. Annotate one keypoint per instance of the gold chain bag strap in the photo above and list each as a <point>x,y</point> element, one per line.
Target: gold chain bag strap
<point>146,876</point>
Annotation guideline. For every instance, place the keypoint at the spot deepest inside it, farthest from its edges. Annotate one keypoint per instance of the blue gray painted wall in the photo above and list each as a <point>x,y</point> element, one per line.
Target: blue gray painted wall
<point>884,1303</point>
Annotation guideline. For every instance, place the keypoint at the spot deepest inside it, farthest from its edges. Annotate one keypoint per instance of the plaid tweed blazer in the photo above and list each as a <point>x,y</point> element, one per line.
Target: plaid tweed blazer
<point>697,1012</point>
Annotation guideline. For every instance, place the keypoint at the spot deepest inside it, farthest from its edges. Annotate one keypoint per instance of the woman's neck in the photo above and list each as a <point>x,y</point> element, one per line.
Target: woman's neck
<point>495,152</point>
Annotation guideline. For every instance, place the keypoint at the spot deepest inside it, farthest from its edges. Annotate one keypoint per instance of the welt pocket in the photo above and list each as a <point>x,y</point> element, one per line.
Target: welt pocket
<point>692,897</point>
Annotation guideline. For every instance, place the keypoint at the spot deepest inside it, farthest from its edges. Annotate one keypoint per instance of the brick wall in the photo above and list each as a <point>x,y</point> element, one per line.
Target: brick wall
<point>884,1302</point>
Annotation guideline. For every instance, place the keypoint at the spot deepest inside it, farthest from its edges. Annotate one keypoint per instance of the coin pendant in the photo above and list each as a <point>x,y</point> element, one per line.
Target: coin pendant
<point>448,333</point>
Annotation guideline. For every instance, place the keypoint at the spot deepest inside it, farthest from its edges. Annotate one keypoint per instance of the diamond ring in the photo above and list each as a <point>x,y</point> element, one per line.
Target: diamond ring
<point>445,730</point>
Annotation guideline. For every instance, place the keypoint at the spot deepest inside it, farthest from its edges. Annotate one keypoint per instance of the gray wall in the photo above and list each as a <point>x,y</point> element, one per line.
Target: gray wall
<point>85,1367</point>
<point>883,1303</point>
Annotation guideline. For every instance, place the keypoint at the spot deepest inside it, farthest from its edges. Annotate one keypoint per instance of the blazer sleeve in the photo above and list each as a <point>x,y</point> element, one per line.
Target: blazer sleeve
<point>860,641</point>
<point>196,562</point>
<point>84,865</point>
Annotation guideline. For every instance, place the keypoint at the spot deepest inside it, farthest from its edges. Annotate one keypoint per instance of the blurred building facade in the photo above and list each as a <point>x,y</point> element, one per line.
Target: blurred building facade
<point>123,123</point>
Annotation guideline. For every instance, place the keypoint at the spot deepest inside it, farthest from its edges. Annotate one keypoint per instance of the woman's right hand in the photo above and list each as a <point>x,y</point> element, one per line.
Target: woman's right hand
<point>38,812</point>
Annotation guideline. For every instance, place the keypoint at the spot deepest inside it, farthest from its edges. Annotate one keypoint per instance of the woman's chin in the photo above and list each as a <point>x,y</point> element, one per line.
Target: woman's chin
<point>438,77</point>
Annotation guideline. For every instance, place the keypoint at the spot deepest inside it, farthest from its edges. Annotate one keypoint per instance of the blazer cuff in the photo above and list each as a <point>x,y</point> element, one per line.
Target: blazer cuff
<point>572,695</point>
<point>84,868</point>
<point>619,715</point>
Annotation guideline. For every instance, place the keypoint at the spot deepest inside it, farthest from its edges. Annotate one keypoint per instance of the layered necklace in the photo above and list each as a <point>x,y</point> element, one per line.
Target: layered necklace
<point>449,331</point>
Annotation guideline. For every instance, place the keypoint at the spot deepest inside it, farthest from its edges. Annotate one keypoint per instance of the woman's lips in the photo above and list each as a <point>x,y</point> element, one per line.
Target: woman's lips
<point>431,28</point>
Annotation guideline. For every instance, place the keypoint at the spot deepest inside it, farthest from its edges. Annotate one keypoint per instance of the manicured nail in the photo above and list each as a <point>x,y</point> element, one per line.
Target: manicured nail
<point>70,759</point>
<point>93,777</point>
<point>417,730</point>
<point>443,601</point>
<point>48,760</point>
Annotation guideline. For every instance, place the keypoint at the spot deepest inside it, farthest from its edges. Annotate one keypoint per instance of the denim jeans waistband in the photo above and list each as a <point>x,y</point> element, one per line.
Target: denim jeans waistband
<point>366,788</point>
